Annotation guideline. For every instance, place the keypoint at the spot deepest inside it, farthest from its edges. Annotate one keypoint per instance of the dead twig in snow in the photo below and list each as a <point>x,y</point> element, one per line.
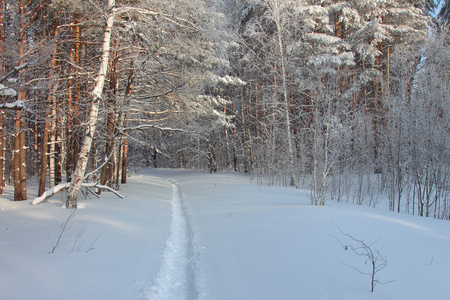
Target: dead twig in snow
<point>376,260</point>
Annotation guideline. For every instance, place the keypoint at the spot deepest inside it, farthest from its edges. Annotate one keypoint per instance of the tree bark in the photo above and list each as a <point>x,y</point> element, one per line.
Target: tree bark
<point>22,158</point>
<point>48,150</point>
<point>106,177</point>
<point>43,171</point>
<point>123,161</point>
<point>20,175</point>
<point>73,101</point>
<point>2,118</point>
<point>2,151</point>
<point>20,172</point>
<point>16,159</point>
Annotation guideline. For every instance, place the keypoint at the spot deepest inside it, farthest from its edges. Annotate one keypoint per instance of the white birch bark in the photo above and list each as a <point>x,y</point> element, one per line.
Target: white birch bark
<point>277,17</point>
<point>96,95</point>
<point>52,148</point>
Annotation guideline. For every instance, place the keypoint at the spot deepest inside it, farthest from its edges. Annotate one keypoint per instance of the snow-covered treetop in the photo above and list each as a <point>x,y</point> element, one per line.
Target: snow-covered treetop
<point>212,80</point>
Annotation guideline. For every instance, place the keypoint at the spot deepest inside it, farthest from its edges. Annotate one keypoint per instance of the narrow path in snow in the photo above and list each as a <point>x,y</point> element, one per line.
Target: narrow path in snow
<point>175,279</point>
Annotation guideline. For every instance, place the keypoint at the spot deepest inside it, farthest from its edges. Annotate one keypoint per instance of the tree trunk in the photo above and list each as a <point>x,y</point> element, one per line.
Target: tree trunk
<point>16,159</point>
<point>80,170</point>
<point>43,171</point>
<point>290,153</point>
<point>106,177</point>
<point>49,123</point>
<point>124,160</point>
<point>52,147</point>
<point>2,117</point>
<point>20,178</point>
<point>20,174</point>
<point>22,157</point>
<point>2,151</point>
<point>73,101</point>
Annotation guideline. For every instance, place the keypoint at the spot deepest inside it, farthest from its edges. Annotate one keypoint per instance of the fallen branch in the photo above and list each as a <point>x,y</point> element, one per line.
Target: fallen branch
<point>50,192</point>
<point>64,186</point>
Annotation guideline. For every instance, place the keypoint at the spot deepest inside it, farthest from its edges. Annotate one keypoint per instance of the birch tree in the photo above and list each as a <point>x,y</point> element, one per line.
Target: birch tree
<point>96,96</point>
<point>162,57</point>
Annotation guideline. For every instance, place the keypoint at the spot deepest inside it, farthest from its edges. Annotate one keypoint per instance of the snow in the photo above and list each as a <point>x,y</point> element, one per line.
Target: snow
<point>175,278</point>
<point>227,80</point>
<point>182,234</point>
<point>65,185</point>
<point>7,91</point>
<point>50,192</point>
<point>19,104</point>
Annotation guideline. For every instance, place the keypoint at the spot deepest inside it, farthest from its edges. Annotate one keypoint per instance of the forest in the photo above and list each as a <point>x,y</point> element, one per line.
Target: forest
<point>347,99</point>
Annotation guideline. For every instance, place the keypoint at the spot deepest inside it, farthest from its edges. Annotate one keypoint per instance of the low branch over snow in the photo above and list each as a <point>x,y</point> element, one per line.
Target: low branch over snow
<point>63,186</point>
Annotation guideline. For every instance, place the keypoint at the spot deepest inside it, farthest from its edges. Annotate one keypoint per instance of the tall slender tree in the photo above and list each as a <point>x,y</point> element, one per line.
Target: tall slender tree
<point>91,128</point>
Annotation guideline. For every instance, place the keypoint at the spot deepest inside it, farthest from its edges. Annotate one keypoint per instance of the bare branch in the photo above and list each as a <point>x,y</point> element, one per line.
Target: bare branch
<point>377,261</point>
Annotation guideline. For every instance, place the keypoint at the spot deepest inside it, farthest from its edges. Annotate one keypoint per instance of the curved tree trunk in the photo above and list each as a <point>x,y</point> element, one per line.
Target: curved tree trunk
<point>86,146</point>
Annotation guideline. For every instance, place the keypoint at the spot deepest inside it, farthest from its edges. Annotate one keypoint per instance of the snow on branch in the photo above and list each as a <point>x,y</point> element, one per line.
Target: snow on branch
<point>322,38</point>
<point>17,105</point>
<point>213,80</point>
<point>15,70</point>
<point>145,126</point>
<point>63,186</point>
<point>7,91</point>
<point>181,22</point>
<point>50,192</point>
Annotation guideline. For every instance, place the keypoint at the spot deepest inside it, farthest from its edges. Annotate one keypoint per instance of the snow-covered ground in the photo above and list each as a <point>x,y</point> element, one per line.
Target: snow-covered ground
<point>193,235</point>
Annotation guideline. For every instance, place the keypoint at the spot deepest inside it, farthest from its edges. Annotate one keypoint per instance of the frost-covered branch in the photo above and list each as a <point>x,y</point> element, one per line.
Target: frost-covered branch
<point>181,22</point>
<point>146,126</point>
<point>165,93</point>
<point>153,113</point>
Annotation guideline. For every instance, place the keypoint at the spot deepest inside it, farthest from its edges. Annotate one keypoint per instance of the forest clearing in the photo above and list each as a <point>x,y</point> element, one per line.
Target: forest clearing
<point>194,235</point>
